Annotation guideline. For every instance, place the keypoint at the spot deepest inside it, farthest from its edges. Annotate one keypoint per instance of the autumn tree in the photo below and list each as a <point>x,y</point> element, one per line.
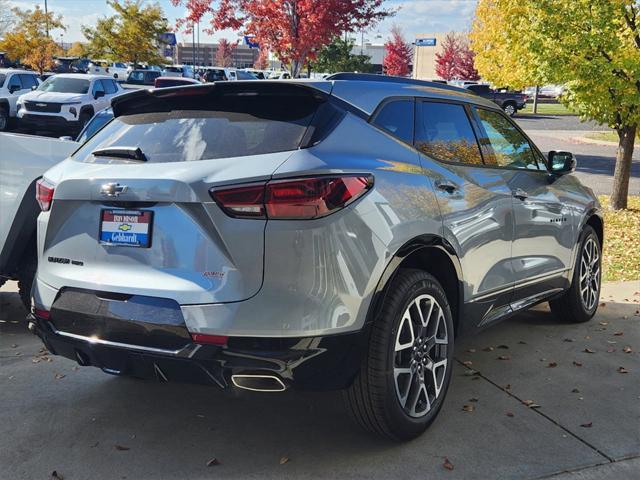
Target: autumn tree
<point>28,41</point>
<point>591,46</point>
<point>224,53</point>
<point>467,64</point>
<point>294,30</point>
<point>447,59</point>
<point>338,56</point>
<point>76,50</point>
<point>397,58</point>
<point>262,61</point>
<point>130,35</point>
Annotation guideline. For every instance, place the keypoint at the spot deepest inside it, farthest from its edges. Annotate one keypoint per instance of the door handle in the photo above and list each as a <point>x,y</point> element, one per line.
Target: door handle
<point>520,193</point>
<point>446,186</point>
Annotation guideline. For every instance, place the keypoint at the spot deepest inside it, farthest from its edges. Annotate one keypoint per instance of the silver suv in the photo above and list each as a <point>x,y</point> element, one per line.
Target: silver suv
<point>335,234</point>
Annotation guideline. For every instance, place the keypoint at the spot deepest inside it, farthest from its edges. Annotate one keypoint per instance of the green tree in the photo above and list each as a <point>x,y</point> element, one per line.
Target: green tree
<point>592,46</point>
<point>338,57</point>
<point>28,37</point>
<point>131,35</point>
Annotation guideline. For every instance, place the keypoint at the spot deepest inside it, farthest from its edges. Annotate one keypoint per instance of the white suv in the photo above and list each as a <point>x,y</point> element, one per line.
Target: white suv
<point>13,83</point>
<point>118,70</point>
<point>67,100</point>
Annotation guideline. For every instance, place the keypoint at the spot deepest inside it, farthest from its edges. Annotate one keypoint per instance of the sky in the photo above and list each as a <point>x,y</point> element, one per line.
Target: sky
<point>413,17</point>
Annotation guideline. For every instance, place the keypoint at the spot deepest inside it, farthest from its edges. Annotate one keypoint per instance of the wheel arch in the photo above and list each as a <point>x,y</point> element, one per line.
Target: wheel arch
<point>430,253</point>
<point>88,109</point>
<point>594,219</point>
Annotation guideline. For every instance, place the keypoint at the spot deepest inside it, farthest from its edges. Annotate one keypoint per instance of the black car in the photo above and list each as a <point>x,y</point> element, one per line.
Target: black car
<point>143,77</point>
<point>510,102</point>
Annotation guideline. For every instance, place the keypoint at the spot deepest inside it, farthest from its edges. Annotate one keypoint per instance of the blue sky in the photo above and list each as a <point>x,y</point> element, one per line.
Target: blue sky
<point>415,16</point>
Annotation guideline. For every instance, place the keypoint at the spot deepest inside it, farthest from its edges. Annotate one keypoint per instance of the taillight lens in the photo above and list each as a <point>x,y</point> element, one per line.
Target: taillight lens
<point>44,194</point>
<point>298,199</point>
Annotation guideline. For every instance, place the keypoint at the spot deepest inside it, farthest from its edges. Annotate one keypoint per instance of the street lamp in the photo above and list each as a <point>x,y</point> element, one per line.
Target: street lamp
<point>46,17</point>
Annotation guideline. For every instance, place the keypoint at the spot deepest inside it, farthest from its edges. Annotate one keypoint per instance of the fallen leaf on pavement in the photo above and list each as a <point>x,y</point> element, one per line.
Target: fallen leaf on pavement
<point>212,462</point>
<point>284,460</point>
<point>521,342</point>
<point>504,357</point>
<point>575,390</point>
<point>58,376</point>
<point>603,304</point>
<point>468,363</point>
<point>468,408</point>
<point>56,476</point>
<point>121,448</point>
<point>604,324</point>
<point>487,349</point>
<point>587,425</point>
<point>471,350</point>
<point>14,345</point>
<point>447,464</point>
<point>509,414</point>
<point>588,350</point>
<point>552,365</point>
<point>568,340</point>
<point>577,364</point>
<point>530,404</point>
<point>622,370</point>
<point>627,349</point>
<point>611,350</point>
<point>473,399</point>
<point>503,347</point>
<point>619,334</point>
<point>507,386</point>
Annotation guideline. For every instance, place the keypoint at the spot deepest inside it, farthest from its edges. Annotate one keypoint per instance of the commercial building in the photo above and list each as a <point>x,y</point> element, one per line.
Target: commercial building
<point>426,45</point>
<point>205,55</point>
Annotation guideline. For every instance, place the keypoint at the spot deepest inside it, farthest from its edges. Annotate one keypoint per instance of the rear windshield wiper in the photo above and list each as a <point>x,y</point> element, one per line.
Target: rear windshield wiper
<point>121,152</point>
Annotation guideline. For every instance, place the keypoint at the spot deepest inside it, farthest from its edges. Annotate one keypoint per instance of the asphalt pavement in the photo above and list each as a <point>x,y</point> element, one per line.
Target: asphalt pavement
<point>545,399</point>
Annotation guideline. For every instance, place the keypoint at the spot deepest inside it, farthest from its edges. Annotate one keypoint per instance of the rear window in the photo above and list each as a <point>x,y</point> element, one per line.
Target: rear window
<point>204,125</point>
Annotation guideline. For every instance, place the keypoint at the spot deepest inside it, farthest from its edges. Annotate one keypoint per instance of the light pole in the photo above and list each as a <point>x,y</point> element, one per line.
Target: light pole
<point>46,17</point>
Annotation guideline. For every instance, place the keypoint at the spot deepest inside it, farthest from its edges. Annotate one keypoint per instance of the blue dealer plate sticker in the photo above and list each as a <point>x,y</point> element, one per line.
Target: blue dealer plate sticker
<point>130,228</point>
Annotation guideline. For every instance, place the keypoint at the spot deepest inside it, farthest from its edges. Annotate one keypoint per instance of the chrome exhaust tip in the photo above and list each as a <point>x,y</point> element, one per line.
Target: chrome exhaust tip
<point>258,383</point>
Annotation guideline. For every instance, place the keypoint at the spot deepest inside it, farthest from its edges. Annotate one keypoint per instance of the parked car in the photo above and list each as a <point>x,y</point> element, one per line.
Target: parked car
<point>162,82</point>
<point>67,101</point>
<point>319,239</point>
<point>143,77</point>
<point>18,254</point>
<point>178,71</point>
<point>274,75</point>
<point>13,83</point>
<point>65,65</point>
<point>259,74</point>
<point>510,102</point>
<point>219,74</point>
<point>117,70</point>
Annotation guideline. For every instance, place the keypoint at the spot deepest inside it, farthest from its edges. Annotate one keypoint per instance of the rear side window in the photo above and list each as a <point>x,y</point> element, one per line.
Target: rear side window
<point>443,132</point>
<point>28,81</point>
<point>109,86</point>
<point>396,117</point>
<point>205,124</point>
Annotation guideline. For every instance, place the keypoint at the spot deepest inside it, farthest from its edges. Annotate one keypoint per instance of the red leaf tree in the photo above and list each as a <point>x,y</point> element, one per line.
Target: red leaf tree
<point>294,30</point>
<point>456,61</point>
<point>224,53</point>
<point>397,59</point>
<point>262,61</point>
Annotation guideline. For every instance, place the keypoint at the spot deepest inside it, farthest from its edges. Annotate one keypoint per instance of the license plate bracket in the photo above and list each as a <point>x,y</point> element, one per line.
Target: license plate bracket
<point>126,228</point>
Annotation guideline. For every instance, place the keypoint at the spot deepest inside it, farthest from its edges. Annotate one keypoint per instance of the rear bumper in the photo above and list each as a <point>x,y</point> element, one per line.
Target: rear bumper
<point>313,363</point>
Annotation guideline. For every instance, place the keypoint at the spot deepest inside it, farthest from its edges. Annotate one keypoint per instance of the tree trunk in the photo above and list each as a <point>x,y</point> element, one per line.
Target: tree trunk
<point>622,172</point>
<point>535,99</point>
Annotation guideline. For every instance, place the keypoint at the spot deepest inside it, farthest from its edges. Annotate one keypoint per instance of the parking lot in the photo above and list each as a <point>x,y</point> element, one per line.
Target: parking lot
<point>558,401</point>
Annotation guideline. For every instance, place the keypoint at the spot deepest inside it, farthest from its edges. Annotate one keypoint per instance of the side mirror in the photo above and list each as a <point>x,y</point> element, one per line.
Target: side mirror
<point>13,88</point>
<point>98,94</point>
<point>34,87</point>
<point>561,163</point>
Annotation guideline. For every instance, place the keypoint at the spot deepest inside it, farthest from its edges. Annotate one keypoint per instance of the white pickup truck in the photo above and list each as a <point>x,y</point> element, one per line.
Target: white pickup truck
<point>23,160</point>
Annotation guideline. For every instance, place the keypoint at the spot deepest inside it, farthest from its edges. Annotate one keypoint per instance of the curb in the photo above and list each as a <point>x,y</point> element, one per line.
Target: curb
<point>595,142</point>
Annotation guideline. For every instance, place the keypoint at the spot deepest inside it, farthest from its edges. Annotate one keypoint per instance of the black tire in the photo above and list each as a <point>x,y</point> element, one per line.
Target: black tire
<point>374,399</point>
<point>571,306</point>
<point>510,108</point>
<point>26,273</point>
<point>84,118</point>
<point>4,118</point>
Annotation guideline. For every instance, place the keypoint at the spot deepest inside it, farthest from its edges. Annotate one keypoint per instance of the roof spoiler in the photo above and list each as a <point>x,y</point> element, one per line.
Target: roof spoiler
<point>372,77</point>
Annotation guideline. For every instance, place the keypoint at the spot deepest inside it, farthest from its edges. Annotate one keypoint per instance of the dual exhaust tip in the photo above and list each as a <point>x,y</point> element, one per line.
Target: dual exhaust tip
<point>258,382</point>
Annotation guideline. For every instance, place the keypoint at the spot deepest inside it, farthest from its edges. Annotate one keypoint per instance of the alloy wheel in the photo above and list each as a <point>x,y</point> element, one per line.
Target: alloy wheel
<point>590,274</point>
<point>510,110</point>
<point>420,356</point>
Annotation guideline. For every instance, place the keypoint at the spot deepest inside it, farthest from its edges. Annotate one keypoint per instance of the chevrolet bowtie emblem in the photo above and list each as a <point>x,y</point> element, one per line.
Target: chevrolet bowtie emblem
<point>112,189</point>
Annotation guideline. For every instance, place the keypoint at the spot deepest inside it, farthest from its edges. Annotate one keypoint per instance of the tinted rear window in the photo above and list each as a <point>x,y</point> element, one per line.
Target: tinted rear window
<point>205,125</point>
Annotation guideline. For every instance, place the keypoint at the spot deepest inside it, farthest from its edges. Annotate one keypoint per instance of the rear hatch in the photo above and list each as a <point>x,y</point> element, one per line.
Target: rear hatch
<point>132,211</point>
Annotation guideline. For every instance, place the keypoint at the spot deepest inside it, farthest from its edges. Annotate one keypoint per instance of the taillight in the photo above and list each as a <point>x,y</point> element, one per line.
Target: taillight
<point>299,199</point>
<point>219,340</point>
<point>44,194</point>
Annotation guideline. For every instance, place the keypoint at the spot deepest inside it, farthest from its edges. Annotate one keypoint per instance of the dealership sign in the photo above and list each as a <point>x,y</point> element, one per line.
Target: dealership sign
<point>425,42</point>
<point>251,41</point>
